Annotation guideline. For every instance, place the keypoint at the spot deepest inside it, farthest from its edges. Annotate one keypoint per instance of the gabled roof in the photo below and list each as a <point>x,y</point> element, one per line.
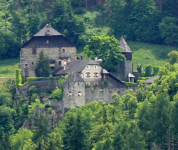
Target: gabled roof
<point>119,81</point>
<point>130,75</point>
<point>43,31</point>
<point>74,77</point>
<point>77,65</point>
<point>124,45</point>
<point>104,71</point>
<point>151,80</point>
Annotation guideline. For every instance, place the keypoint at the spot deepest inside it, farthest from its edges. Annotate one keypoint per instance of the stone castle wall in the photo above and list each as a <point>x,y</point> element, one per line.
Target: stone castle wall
<point>106,93</point>
<point>71,96</point>
<point>41,85</point>
<point>28,58</point>
<point>87,95</point>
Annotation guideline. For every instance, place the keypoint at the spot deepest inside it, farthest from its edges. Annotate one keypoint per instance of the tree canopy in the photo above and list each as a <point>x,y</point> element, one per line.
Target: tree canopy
<point>42,67</point>
<point>106,48</point>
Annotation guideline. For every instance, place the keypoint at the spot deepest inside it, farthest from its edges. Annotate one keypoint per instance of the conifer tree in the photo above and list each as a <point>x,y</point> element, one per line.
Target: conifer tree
<point>42,67</point>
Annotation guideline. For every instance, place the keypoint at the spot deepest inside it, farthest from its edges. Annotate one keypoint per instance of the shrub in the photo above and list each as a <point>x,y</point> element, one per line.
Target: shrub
<point>33,90</point>
<point>105,83</point>
<point>42,67</point>
<point>155,70</point>
<point>101,90</point>
<point>148,71</point>
<point>139,68</point>
<point>18,77</point>
<point>92,89</point>
<point>48,90</point>
<point>47,105</point>
<point>57,94</point>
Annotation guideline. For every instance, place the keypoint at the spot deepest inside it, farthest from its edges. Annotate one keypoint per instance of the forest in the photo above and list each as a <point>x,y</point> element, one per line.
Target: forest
<point>145,120</point>
<point>137,20</point>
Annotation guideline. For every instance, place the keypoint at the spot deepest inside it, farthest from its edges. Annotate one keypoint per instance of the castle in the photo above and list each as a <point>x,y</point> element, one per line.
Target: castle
<point>88,80</point>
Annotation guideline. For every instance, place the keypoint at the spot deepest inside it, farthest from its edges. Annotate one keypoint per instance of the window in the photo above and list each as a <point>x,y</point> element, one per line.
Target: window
<point>88,84</point>
<point>32,63</point>
<point>63,50</point>
<point>95,74</point>
<point>70,93</point>
<point>59,62</point>
<point>88,74</point>
<point>26,65</point>
<point>95,67</point>
<point>34,51</point>
<point>95,84</point>
<point>47,42</point>
<point>79,94</point>
<point>87,66</point>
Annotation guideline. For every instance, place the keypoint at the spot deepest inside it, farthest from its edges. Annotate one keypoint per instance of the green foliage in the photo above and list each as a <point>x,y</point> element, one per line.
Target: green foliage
<point>54,142</point>
<point>130,83</point>
<point>155,70</point>
<point>173,57</point>
<point>168,29</point>
<point>106,83</point>
<point>143,22</point>
<point>6,121</point>
<point>62,79</point>
<point>148,71</point>
<point>34,105</point>
<point>92,89</point>
<point>139,68</point>
<point>18,77</point>
<point>48,90</point>
<point>106,48</point>
<point>18,141</point>
<point>57,94</point>
<point>42,67</point>
<point>47,105</point>
<point>32,90</point>
<point>41,130</point>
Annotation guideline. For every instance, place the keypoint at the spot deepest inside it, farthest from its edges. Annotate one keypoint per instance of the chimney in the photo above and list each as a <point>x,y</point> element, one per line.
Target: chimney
<point>64,64</point>
<point>96,58</point>
<point>64,67</point>
<point>132,67</point>
<point>81,56</point>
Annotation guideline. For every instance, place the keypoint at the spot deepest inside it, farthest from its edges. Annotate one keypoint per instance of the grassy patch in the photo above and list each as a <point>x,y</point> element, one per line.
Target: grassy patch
<point>149,54</point>
<point>8,67</point>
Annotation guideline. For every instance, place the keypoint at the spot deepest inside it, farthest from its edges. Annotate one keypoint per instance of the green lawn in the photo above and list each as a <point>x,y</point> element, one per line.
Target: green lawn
<point>8,67</point>
<point>149,54</point>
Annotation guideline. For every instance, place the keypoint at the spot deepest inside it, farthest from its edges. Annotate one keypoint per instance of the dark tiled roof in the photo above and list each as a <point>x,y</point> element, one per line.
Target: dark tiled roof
<point>124,45</point>
<point>77,65</point>
<point>42,32</point>
<point>74,77</point>
<point>151,80</point>
<point>119,81</point>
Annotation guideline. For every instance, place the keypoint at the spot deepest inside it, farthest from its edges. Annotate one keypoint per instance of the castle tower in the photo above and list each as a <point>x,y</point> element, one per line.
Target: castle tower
<point>74,91</point>
<point>125,68</point>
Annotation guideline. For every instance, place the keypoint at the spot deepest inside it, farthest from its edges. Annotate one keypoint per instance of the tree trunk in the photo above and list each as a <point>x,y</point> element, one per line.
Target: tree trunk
<point>5,16</point>
<point>86,5</point>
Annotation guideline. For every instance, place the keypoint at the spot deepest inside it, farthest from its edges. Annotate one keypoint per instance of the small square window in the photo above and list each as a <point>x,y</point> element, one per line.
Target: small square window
<point>95,67</point>
<point>87,66</point>
<point>95,74</point>
<point>95,84</point>
<point>79,94</point>
<point>88,74</point>
<point>88,84</point>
